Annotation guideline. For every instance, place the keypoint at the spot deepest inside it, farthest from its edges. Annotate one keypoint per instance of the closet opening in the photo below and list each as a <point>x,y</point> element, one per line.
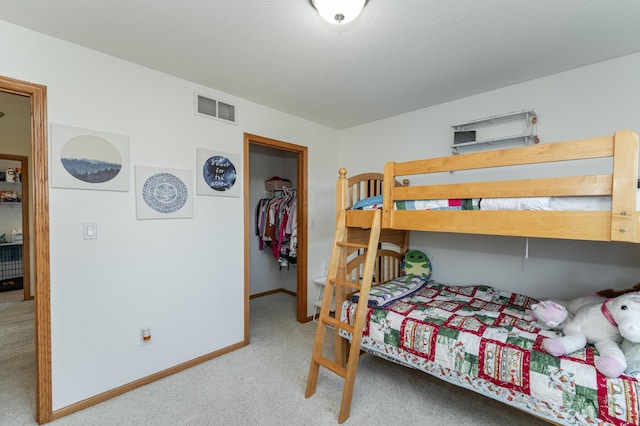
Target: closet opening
<point>36,234</point>
<point>15,271</point>
<point>264,159</point>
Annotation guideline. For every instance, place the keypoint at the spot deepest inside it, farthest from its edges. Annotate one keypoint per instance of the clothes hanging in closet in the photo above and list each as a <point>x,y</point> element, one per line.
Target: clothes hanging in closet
<point>276,226</point>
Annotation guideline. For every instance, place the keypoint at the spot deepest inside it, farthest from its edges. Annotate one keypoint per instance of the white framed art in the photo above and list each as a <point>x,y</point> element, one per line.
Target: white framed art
<point>217,173</point>
<point>88,159</point>
<point>163,193</point>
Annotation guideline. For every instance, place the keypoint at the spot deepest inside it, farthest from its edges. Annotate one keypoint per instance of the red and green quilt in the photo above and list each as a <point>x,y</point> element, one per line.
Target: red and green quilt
<point>476,337</point>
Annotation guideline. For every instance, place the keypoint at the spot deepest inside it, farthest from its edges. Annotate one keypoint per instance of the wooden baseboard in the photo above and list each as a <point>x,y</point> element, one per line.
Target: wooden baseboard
<point>81,405</point>
<point>278,290</point>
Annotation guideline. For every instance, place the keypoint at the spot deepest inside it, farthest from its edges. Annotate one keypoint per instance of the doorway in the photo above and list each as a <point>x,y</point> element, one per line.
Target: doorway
<point>38,236</point>
<point>15,251</point>
<point>301,155</point>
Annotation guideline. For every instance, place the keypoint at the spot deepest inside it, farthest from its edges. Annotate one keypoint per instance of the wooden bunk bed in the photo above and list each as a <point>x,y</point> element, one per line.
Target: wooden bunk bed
<point>423,330</point>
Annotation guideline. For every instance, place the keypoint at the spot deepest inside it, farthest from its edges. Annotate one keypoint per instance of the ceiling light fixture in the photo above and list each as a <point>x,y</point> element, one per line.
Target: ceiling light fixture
<point>339,11</point>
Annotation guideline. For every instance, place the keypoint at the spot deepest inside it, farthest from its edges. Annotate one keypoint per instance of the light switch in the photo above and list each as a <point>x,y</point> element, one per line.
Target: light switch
<point>90,231</point>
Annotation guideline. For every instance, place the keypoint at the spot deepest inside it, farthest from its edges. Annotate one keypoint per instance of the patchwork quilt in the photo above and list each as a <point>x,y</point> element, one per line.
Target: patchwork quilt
<point>476,337</point>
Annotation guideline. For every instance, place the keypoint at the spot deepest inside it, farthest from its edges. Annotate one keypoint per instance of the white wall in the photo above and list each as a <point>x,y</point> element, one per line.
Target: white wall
<point>182,277</point>
<point>586,102</point>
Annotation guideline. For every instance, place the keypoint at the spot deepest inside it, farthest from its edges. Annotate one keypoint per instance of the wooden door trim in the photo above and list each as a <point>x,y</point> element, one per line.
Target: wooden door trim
<point>40,191</point>
<point>302,165</point>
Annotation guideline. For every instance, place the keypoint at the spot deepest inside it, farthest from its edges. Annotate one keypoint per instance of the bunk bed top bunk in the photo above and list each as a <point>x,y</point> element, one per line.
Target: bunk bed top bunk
<point>619,222</point>
<point>478,337</point>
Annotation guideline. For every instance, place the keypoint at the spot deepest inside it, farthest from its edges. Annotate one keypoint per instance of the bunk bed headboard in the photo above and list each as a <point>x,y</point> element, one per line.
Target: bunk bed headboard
<point>387,267</point>
<point>358,187</point>
<point>618,224</point>
<point>353,189</point>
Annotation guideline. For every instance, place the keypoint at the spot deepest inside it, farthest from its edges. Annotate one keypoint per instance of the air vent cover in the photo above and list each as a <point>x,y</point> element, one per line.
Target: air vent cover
<point>212,108</point>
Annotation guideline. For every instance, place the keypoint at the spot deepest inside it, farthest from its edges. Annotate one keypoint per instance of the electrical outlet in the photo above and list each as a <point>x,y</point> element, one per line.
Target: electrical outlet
<point>145,336</point>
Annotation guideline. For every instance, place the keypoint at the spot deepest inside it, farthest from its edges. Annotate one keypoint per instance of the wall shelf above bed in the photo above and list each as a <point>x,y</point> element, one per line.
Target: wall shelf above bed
<point>528,117</point>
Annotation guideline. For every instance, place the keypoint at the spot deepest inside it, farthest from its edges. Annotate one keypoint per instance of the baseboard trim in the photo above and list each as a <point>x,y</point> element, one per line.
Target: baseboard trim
<point>278,290</point>
<point>112,393</point>
<point>281,290</point>
<point>81,405</point>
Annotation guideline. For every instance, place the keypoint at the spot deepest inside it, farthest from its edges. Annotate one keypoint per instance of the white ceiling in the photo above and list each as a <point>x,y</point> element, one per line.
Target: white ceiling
<point>398,56</point>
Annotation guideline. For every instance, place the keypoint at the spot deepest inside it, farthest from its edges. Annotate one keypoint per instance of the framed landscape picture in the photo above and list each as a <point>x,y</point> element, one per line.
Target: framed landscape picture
<point>89,159</point>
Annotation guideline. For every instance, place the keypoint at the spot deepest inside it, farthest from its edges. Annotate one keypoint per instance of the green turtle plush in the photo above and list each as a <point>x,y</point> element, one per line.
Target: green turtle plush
<point>417,263</point>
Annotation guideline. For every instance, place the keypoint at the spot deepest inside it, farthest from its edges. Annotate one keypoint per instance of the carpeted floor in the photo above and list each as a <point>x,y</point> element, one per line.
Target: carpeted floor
<point>263,384</point>
<point>11,296</point>
<point>17,359</point>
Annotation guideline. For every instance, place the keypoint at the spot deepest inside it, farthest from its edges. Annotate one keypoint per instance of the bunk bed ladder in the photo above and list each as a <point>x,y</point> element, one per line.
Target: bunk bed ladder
<point>337,280</point>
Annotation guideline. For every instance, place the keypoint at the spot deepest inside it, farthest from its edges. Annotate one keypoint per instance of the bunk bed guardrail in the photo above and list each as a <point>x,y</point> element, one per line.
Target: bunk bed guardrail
<point>617,224</point>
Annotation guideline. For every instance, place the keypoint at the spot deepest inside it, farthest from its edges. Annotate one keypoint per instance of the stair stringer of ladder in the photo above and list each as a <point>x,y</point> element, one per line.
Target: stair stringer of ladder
<point>337,280</point>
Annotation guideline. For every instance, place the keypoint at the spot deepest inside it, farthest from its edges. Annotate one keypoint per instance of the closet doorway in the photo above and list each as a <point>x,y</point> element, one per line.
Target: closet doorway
<point>299,155</point>
<point>15,250</point>
<point>36,235</point>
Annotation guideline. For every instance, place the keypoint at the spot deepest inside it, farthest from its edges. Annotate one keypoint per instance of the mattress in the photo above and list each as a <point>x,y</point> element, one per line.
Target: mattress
<point>524,203</point>
<point>476,337</point>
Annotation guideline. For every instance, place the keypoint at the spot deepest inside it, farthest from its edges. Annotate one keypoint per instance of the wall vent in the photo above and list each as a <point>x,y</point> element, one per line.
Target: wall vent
<point>211,108</point>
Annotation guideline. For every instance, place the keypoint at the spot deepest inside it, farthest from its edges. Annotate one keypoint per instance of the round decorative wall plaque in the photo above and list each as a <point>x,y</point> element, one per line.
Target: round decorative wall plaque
<point>165,193</point>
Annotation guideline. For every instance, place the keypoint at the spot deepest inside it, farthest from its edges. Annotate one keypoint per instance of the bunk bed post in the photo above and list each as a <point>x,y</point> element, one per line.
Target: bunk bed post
<point>342,192</point>
<point>387,194</point>
<point>342,203</point>
<point>623,199</point>
<point>405,246</point>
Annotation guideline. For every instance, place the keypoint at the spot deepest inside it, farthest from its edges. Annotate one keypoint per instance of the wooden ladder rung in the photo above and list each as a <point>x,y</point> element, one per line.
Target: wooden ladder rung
<point>348,244</point>
<point>335,367</point>
<point>345,283</point>
<point>343,365</point>
<point>338,324</point>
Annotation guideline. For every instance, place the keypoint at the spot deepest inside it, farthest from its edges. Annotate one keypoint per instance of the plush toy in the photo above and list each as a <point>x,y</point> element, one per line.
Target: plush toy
<point>631,353</point>
<point>417,263</point>
<point>603,323</point>
<point>611,293</point>
<point>547,314</point>
<point>631,350</point>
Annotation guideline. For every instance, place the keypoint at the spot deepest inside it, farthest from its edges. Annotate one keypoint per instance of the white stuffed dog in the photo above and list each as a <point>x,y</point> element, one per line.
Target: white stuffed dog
<point>603,323</point>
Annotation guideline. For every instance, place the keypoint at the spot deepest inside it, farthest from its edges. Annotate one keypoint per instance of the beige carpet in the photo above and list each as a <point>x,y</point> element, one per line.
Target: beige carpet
<point>263,384</point>
<point>17,359</point>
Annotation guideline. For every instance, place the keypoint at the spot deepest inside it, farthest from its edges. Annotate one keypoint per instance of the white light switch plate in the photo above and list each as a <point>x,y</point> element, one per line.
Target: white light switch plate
<point>90,231</point>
